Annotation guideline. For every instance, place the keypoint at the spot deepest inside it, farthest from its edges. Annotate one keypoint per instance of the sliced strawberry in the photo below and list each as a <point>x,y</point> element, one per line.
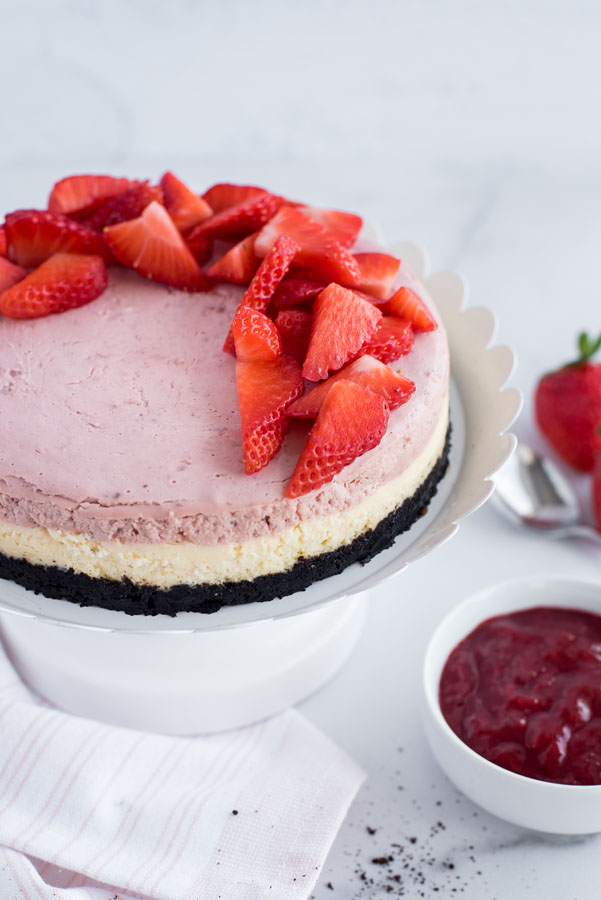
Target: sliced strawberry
<point>185,207</point>
<point>378,272</point>
<point>366,371</point>
<point>407,305</point>
<point>294,326</point>
<point>64,281</point>
<point>295,292</point>
<point>34,235</point>
<point>270,273</point>
<point>80,193</point>
<point>351,421</point>
<point>3,243</point>
<point>255,336</point>
<point>342,323</point>
<point>123,207</point>
<point>153,246</point>
<point>319,252</point>
<point>223,196</point>
<point>9,274</point>
<point>265,390</point>
<point>239,265</point>
<point>344,226</point>
<point>392,338</point>
<point>238,221</point>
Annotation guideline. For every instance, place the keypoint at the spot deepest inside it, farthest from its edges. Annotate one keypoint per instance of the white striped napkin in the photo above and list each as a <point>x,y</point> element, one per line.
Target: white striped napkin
<point>92,812</point>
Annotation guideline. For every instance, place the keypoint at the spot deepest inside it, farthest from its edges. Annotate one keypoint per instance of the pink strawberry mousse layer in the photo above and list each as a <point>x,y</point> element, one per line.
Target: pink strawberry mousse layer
<point>120,420</point>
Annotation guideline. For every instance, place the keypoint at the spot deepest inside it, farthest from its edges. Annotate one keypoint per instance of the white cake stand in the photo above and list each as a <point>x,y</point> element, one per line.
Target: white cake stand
<point>199,673</point>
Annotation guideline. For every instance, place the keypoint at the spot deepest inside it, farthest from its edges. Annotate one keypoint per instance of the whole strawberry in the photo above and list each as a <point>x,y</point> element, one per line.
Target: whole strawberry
<point>568,407</point>
<point>597,491</point>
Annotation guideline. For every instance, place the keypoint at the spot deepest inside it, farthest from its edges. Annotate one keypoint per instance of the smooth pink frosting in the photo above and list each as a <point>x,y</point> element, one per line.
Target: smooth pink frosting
<point>120,420</point>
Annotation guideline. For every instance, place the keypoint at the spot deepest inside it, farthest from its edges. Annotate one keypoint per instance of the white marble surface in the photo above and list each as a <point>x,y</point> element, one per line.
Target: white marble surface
<point>470,127</point>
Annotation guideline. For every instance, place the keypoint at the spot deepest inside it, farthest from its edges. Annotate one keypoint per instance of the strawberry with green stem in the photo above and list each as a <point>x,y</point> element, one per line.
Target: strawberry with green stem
<point>568,407</point>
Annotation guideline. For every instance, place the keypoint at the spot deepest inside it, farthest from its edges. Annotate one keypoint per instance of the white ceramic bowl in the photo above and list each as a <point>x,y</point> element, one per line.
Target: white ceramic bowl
<point>540,805</point>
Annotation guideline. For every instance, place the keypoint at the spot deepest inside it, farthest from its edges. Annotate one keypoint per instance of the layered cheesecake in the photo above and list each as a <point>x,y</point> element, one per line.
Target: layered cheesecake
<point>122,469</point>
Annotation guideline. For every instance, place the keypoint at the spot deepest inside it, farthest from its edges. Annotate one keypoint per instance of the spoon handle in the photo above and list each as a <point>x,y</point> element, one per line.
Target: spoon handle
<point>584,531</point>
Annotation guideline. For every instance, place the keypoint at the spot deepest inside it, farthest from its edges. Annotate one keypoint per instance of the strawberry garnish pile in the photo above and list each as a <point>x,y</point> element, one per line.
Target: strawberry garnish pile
<point>315,316</point>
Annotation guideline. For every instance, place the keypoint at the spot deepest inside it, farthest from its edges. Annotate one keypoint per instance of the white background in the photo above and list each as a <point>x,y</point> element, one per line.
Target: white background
<point>473,128</point>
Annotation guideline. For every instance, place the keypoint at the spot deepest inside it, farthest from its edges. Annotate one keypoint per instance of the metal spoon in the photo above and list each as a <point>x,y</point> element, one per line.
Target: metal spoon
<point>531,491</point>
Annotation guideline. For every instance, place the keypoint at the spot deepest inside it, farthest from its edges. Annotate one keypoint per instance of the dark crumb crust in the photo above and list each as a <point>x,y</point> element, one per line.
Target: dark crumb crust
<point>136,599</point>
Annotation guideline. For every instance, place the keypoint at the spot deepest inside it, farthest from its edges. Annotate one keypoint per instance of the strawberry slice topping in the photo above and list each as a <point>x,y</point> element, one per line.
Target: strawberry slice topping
<point>81,193</point>
<point>185,207</point>
<point>270,273</point>
<point>3,242</point>
<point>265,389</point>
<point>123,207</point>
<point>392,338</point>
<point>344,226</point>
<point>378,272</point>
<point>294,326</point>
<point>342,323</point>
<point>223,196</point>
<point>366,371</point>
<point>295,292</point>
<point>238,221</point>
<point>34,235</point>
<point>407,305</point>
<point>320,253</point>
<point>239,265</point>
<point>153,246</point>
<point>64,281</point>
<point>9,274</point>
<point>255,336</point>
<point>351,421</point>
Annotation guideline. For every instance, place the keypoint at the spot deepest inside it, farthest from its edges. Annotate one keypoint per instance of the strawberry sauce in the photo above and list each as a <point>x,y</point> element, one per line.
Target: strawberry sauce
<point>524,691</point>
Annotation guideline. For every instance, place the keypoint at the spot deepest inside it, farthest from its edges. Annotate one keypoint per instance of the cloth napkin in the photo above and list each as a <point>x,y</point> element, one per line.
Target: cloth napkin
<point>92,812</point>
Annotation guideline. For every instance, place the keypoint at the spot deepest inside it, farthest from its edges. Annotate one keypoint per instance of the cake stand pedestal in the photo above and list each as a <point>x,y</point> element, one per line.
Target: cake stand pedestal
<point>180,682</point>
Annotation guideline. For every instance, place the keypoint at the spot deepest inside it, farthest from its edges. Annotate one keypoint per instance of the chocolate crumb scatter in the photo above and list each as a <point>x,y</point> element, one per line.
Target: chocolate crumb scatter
<point>330,886</point>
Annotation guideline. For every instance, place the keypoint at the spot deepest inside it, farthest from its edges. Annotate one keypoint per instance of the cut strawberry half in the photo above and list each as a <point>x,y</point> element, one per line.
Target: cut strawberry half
<point>265,390</point>
<point>270,273</point>
<point>79,193</point>
<point>366,371</point>
<point>223,196</point>
<point>238,221</point>
<point>319,252</point>
<point>407,305</point>
<point>185,207</point>
<point>153,246</point>
<point>3,243</point>
<point>294,326</point>
<point>34,235</point>
<point>255,336</point>
<point>344,226</point>
<point>378,272</point>
<point>123,207</point>
<point>351,421</point>
<point>9,274</point>
<point>64,281</point>
<point>342,323</point>
<point>392,338</point>
<point>239,265</point>
<point>296,292</point>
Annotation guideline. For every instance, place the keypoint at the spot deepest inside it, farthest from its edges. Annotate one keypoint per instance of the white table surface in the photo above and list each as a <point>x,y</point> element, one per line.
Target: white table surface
<point>472,128</point>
